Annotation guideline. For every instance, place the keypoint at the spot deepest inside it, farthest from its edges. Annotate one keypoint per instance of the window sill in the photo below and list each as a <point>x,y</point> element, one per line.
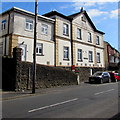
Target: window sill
<point>80,60</point>
<point>91,61</point>
<point>66,34</point>
<point>67,59</point>
<point>90,41</point>
<point>79,38</point>
<point>28,30</point>
<point>39,55</point>
<point>44,34</point>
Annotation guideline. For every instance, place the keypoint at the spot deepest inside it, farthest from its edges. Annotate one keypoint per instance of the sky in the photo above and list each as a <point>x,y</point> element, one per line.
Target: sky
<point>103,13</point>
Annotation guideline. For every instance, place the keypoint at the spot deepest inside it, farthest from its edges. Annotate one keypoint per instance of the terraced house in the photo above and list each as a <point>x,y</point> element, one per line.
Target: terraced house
<point>62,40</point>
<point>78,42</point>
<point>17,28</point>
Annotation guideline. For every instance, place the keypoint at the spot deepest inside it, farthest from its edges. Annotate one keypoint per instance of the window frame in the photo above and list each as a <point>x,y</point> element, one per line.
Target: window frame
<point>39,46</point>
<point>90,56</point>
<point>65,29</point>
<point>97,40</point>
<point>65,51</point>
<point>98,57</point>
<point>30,23</point>
<point>89,37</point>
<point>79,55</point>
<point>79,33</point>
<point>3,25</point>
<point>44,29</point>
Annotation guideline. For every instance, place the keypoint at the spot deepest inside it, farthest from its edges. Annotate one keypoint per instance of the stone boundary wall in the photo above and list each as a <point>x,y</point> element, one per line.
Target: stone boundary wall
<point>46,76</point>
<point>85,72</point>
<point>17,75</point>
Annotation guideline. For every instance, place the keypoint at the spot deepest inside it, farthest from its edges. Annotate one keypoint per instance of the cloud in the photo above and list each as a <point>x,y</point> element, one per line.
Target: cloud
<point>106,14</point>
<point>95,1</point>
<point>78,5</point>
<point>115,13</point>
<point>96,12</point>
<point>99,11</point>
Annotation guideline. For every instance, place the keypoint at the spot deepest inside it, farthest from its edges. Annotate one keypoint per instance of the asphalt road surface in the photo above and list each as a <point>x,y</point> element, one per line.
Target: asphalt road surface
<point>80,101</point>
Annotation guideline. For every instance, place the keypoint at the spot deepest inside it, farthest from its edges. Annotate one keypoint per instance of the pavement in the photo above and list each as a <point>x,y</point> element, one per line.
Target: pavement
<point>7,95</point>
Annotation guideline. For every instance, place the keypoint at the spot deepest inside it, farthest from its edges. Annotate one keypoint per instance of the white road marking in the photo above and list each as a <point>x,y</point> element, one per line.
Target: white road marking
<point>104,92</point>
<point>41,108</point>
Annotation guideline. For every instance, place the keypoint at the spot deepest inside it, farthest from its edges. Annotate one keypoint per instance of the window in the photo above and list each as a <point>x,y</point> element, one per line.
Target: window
<point>90,56</point>
<point>83,19</point>
<point>39,49</point>
<point>29,24</point>
<point>3,27</point>
<point>89,37</point>
<point>79,55</point>
<point>97,40</point>
<point>98,57</point>
<point>79,33</point>
<point>66,53</point>
<point>44,29</point>
<point>65,29</point>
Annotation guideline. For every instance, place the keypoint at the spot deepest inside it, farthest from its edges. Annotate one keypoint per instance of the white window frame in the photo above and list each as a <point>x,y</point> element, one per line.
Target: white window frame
<point>30,24</point>
<point>90,54</point>
<point>79,54</point>
<point>44,29</point>
<point>66,53</point>
<point>3,25</point>
<point>97,40</point>
<point>79,33</point>
<point>65,29</point>
<point>89,37</point>
<point>39,47</point>
<point>98,57</point>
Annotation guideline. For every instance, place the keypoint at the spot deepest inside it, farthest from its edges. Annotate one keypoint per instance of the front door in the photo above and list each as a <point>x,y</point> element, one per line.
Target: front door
<point>24,48</point>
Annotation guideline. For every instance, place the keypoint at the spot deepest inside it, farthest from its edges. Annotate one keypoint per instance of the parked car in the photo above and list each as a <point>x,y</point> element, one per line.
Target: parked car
<point>112,76</point>
<point>117,76</point>
<point>100,77</point>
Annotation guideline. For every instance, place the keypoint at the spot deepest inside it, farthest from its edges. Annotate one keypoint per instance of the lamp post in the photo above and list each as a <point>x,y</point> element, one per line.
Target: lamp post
<point>34,50</point>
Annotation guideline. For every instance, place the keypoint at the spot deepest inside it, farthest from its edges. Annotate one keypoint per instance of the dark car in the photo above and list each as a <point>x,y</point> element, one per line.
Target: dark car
<point>100,77</point>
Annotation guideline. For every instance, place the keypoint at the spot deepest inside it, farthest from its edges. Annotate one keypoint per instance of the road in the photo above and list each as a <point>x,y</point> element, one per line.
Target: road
<point>80,101</point>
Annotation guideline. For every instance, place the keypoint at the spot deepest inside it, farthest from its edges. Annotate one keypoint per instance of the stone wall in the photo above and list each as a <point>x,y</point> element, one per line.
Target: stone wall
<point>17,75</point>
<point>46,76</point>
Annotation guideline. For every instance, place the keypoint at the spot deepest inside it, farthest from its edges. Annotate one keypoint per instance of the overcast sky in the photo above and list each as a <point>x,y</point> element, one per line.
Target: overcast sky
<point>103,13</point>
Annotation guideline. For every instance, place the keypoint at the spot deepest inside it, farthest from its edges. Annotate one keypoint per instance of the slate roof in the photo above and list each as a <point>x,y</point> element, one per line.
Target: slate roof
<point>73,16</point>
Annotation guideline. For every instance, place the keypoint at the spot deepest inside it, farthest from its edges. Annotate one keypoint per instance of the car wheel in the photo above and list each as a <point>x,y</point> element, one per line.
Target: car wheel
<point>101,81</point>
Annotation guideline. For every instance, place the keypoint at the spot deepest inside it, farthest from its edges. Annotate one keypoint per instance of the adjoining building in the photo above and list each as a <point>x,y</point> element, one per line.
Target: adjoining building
<point>112,57</point>
<point>17,28</point>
